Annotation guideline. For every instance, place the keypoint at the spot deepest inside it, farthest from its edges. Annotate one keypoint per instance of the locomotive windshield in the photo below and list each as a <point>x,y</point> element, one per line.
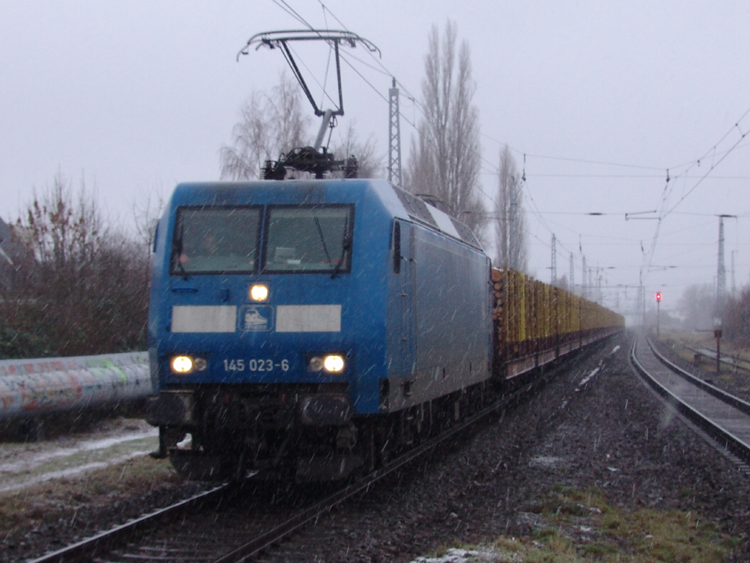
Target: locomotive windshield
<point>309,239</point>
<point>215,240</point>
<point>221,240</point>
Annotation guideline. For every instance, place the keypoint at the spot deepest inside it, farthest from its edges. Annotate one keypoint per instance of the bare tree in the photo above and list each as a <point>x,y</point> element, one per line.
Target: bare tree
<point>697,306</point>
<point>737,317</point>
<point>147,210</point>
<point>81,288</point>
<point>510,233</point>
<point>369,160</point>
<point>270,124</point>
<point>273,124</point>
<point>445,155</point>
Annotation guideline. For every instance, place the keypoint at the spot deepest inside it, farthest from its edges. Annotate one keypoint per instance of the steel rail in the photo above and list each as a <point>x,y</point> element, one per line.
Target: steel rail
<point>89,547</point>
<point>722,437</point>
<point>736,402</point>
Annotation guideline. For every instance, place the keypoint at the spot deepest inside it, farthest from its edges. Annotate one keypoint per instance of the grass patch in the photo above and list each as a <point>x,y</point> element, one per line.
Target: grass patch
<point>581,527</point>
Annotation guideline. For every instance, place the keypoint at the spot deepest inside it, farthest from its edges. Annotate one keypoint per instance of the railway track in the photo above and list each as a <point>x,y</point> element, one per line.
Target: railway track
<point>723,417</point>
<point>237,522</point>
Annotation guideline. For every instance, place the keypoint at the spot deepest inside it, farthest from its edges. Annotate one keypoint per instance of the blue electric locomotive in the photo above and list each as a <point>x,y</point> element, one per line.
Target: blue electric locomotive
<point>303,329</point>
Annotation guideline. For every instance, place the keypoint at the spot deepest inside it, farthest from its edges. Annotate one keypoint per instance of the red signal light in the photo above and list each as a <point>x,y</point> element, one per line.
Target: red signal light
<point>658,296</point>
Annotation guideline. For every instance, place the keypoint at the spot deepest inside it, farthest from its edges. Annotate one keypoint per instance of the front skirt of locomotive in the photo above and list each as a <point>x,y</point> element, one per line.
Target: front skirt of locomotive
<point>299,432</point>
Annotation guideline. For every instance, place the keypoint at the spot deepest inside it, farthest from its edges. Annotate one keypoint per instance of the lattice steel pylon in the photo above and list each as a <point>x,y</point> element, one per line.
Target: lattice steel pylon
<point>721,283</point>
<point>572,281</point>
<point>553,264</point>
<point>583,277</point>
<point>394,136</point>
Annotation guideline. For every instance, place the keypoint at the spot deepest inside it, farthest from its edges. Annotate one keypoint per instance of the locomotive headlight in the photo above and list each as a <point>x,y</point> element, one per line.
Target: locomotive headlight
<point>258,292</point>
<point>182,364</point>
<point>334,363</point>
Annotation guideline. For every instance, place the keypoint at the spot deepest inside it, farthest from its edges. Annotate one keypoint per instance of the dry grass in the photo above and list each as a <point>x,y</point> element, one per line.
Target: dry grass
<point>49,502</point>
<point>581,527</point>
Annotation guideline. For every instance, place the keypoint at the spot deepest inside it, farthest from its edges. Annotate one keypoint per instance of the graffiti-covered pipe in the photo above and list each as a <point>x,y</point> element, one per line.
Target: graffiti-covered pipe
<point>34,387</point>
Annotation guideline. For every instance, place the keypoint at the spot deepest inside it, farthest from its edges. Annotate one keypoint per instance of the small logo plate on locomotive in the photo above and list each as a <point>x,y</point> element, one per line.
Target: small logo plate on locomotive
<point>255,318</point>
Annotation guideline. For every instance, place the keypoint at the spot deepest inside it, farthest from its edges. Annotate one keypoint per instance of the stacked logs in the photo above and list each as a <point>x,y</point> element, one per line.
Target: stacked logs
<point>530,316</point>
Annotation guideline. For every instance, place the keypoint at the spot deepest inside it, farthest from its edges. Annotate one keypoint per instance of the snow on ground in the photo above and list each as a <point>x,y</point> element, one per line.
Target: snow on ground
<point>22,465</point>
<point>469,556</point>
<point>586,379</point>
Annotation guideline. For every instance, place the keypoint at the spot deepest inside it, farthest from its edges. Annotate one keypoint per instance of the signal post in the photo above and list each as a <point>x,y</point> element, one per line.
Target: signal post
<point>658,302</point>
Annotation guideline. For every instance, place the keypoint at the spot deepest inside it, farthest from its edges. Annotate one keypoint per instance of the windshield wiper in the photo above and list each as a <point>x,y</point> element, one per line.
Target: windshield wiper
<point>322,238</point>
<point>346,245</point>
<point>177,253</point>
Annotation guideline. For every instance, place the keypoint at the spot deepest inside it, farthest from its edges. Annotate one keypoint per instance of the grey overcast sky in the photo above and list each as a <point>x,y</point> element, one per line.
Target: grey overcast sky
<point>604,99</point>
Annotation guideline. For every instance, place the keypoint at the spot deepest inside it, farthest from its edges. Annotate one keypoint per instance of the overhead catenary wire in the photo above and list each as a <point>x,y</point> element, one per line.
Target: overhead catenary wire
<point>418,104</point>
<point>673,175</point>
<point>386,71</point>
<point>291,11</point>
<point>700,181</point>
<point>493,169</point>
<point>663,211</point>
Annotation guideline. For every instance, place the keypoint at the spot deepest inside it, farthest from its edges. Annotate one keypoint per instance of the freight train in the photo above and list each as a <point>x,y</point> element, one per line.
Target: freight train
<point>308,329</point>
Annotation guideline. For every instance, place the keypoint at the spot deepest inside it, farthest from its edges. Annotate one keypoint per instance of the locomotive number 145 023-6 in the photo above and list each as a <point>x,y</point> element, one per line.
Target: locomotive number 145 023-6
<point>255,365</point>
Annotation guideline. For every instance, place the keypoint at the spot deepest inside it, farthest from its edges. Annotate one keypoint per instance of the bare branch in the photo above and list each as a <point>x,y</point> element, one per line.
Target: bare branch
<point>510,227</point>
<point>370,162</point>
<point>80,288</point>
<point>445,156</point>
<point>269,126</point>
